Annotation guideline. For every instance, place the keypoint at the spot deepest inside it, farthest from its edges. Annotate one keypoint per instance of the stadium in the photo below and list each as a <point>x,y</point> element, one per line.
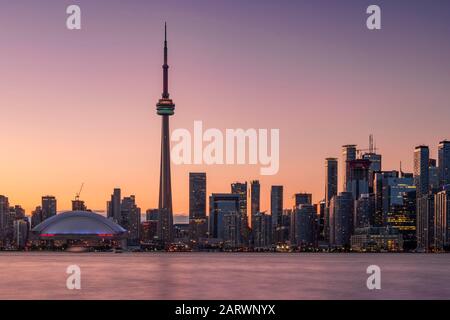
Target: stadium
<point>79,229</point>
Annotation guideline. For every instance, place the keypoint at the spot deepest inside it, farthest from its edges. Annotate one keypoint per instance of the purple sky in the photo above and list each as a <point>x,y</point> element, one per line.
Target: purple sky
<point>79,106</point>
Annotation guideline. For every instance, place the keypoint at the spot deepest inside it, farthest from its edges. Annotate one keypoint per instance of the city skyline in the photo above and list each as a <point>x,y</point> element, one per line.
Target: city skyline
<point>72,138</point>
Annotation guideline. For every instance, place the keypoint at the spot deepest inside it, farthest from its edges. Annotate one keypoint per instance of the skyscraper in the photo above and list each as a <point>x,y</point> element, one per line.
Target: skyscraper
<point>331,179</point>
<point>255,196</point>
<point>197,195</point>
<point>422,183</point>
<point>433,174</point>
<point>4,211</point>
<point>341,219</point>
<point>358,179</point>
<point>276,210</point>
<point>262,231</point>
<point>425,223</point>
<point>444,162</point>
<point>331,189</point>
<point>21,229</point>
<point>375,166</point>
<point>165,108</point>
<point>198,226</point>
<point>223,211</point>
<point>131,219</point>
<point>348,154</point>
<point>382,194</point>
<point>398,205</point>
<point>241,189</point>
<point>421,174</point>
<point>304,227</point>
<point>113,206</point>
<point>364,211</point>
<point>322,210</point>
<point>442,219</point>
<point>36,217</point>
<point>48,207</point>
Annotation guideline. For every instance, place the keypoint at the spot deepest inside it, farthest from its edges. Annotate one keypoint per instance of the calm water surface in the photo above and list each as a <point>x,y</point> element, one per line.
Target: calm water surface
<point>223,276</point>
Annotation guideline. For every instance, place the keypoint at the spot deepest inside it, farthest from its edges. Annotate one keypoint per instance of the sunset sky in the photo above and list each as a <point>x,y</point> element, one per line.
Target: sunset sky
<point>79,106</point>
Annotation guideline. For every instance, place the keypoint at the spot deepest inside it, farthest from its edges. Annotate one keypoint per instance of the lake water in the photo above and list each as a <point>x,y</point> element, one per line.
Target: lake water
<point>223,276</point>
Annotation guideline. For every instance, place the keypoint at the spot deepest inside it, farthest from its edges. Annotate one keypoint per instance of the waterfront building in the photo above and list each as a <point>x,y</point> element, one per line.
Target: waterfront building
<point>262,231</point>
<point>148,232</point>
<point>381,191</point>
<point>240,189</point>
<point>255,199</point>
<point>341,219</point>
<point>376,239</point>
<point>304,224</point>
<point>21,228</point>
<point>222,205</point>
<point>276,210</point>
<point>331,189</point>
<point>79,228</point>
<point>131,219</point>
<point>322,211</point>
<point>198,222</point>
<point>442,219</point>
<point>444,162</point>
<point>425,223</point>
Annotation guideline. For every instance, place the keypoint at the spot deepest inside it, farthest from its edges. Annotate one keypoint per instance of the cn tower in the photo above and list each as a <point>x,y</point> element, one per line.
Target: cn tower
<point>165,108</point>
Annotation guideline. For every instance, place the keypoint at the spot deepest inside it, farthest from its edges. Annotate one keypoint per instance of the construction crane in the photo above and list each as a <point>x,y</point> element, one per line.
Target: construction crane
<point>372,146</point>
<point>77,196</point>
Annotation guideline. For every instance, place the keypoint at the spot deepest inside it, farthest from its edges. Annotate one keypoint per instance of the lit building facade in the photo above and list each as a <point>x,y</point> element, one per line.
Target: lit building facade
<point>421,173</point>
<point>425,223</point>
<point>276,210</point>
<point>331,189</point>
<point>376,239</point>
<point>49,207</point>
<point>358,179</point>
<point>222,205</point>
<point>444,162</point>
<point>442,219</point>
<point>131,219</point>
<point>240,188</point>
<point>364,211</point>
<point>348,154</point>
<point>304,226</point>
<point>198,222</point>
<point>341,219</point>
<point>255,199</point>
<point>262,231</point>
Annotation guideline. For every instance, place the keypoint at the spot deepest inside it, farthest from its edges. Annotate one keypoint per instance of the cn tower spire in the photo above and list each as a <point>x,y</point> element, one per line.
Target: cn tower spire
<point>165,94</point>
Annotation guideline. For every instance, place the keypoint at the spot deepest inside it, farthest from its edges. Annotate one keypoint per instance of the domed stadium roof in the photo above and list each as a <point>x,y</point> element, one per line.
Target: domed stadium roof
<point>81,223</point>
